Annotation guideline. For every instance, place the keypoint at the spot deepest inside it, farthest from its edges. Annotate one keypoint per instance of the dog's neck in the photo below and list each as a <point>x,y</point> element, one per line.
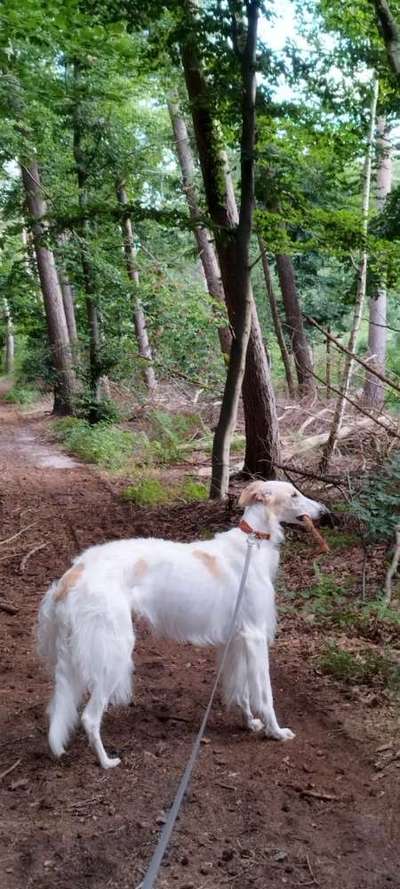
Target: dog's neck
<point>258,519</point>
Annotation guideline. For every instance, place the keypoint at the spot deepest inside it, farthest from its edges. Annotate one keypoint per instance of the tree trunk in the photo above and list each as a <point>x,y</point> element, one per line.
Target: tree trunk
<point>328,375</point>
<point>232,239</point>
<point>133,274</point>
<point>374,391</point>
<point>206,250</point>
<point>360,292</point>
<point>89,284</point>
<point>51,290</point>
<point>67,294</point>
<point>9,344</point>
<point>294,324</point>
<point>276,318</point>
<point>390,30</point>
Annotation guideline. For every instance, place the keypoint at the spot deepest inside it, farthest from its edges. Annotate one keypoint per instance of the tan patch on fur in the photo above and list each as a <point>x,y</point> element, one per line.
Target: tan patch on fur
<point>141,569</point>
<point>253,493</point>
<point>68,580</point>
<point>210,562</point>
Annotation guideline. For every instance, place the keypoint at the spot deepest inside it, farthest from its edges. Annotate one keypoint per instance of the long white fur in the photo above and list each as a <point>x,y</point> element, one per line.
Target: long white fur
<point>87,636</point>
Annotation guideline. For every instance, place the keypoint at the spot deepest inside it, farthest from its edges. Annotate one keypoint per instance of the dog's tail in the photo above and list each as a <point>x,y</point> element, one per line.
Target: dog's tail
<point>86,640</point>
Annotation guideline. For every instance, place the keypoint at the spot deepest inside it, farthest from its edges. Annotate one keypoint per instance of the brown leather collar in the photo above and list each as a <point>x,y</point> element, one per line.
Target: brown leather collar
<point>259,535</point>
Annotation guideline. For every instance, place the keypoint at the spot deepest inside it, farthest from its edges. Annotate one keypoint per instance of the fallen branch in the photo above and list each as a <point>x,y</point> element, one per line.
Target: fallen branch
<point>316,794</point>
<point>355,357</point>
<point>392,568</point>
<point>18,534</point>
<point>26,558</point>
<point>357,406</point>
<point>315,441</point>
<point>7,607</point>
<point>10,769</point>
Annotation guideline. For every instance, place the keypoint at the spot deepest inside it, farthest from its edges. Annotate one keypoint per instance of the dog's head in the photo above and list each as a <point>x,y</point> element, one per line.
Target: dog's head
<point>282,501</point>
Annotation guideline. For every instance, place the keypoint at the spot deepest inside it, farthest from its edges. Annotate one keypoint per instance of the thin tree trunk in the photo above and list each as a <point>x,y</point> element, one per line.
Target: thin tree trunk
<point>67,294</point>
<point>360,292</point>
<point>232,238</point>
<point>276,318</point>
<point>374,391</point>
<point>328,376</point>
<point>206,250</point>
<point>89,284</point>
<point>294,324</point>
<point>51,290</point>
<point>9,345</point>
<point>133,274</point>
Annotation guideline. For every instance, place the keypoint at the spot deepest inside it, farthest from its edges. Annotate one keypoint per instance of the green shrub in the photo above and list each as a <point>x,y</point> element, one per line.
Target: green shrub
<point>148,492</point>
<point>193,490</point>
<point>104,444</point>
<point>23,395</point>
<point>377,503</point>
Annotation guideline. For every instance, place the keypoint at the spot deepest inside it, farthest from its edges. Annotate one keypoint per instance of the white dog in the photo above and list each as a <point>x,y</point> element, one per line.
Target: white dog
<point>187,592</point>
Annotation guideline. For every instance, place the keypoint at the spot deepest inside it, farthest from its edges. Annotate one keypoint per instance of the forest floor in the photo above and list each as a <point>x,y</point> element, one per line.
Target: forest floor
<point>320,811</point>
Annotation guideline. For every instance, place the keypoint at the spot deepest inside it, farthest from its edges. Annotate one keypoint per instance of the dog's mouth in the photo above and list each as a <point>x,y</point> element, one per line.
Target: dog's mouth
<point>309,525</point>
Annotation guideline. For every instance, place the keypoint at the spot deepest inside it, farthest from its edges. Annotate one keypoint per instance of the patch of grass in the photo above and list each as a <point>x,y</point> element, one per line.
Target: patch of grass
<point>104,444</point>
<point>340,539</point>
<point>148,492</point>
<point>152,492</point>
<point>367,667</point>
<point>22,395</point>
<point>192,490</point>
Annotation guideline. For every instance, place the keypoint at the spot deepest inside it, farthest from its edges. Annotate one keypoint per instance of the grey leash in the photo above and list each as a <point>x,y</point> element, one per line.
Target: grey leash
<point>158,854</point>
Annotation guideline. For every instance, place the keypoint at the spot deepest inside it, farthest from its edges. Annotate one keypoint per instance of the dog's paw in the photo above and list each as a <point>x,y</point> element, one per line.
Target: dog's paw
<point>111,762</point>
<point>285,734</point>
<point>279,734</point>
<point>254,725</point>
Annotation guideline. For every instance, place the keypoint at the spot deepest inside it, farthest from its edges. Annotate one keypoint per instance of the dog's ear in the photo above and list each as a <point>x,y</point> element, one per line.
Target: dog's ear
<point>254,493</point>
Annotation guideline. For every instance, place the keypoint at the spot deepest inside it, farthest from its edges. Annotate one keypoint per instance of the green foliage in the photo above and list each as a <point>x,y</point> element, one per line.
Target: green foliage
<point>367,667</point>
<point>193,490</point>
<point>148,492</point>
<point>151,491</point>
<point>104,444</point>
<point>23,395</point>
<point>172,436</point>
<point>377,504</point>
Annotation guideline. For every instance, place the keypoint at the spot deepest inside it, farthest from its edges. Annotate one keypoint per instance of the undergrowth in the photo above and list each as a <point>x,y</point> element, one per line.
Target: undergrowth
<point>22,395</point>
<point>153,492</point>
<point>105,444</point>
<point>366,667</point>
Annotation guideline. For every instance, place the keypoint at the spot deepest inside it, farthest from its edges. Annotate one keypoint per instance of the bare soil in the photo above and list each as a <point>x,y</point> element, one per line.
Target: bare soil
<point>322,810</point>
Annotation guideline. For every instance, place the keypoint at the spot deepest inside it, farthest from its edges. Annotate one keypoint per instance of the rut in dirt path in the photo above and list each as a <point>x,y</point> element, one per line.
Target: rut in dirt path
<point>313,812</point>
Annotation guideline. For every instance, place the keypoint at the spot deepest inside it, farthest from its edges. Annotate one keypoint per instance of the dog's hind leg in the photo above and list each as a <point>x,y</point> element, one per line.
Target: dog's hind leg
<point>259,685</point>
<point>91,720</point>
<point>63,707</point>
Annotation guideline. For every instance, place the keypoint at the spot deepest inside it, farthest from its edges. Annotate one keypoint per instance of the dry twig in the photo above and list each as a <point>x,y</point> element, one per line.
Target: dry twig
<point>18,534</point>
<point>26,558</point>
<point>10,769</point>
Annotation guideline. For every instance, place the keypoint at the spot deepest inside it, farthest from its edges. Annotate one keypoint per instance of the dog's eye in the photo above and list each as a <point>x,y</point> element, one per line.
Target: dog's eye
<point>295,494</point>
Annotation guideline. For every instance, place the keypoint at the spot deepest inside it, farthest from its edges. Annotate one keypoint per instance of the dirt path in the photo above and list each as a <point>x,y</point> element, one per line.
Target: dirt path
<point>316,812</point>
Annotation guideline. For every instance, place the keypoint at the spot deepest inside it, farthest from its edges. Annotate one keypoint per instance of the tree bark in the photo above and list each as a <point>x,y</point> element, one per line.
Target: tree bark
<point>328,374</point>
<point>374,391</point>
<point>232,240</point>
<point>89,284</point>
<point>360,293</point>
<point>390,31</point>
<point>67,294</point>
<point>276,318</point>
<point>133,274</point>
<point>51,290</point>
<point>9,344</point>
<point>294,324</point>
<point>206,250</point>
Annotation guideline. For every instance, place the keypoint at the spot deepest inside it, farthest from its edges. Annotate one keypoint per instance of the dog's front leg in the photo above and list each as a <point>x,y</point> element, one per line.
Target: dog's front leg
<point>259,685</point>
